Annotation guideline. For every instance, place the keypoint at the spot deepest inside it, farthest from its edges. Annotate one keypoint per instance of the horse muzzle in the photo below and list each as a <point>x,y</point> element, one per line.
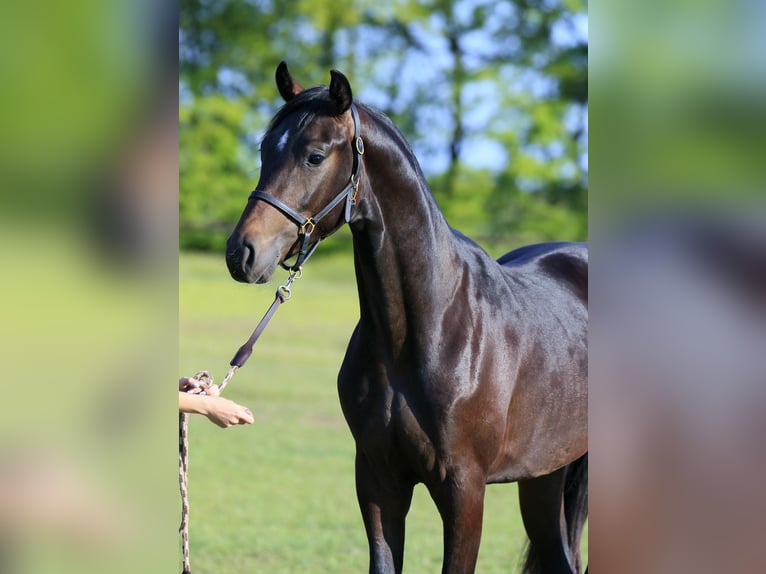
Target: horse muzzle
<point>247,263</point>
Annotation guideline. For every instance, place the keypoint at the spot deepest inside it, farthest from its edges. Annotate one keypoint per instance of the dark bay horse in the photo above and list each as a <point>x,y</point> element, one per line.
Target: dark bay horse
<point>462,370</point>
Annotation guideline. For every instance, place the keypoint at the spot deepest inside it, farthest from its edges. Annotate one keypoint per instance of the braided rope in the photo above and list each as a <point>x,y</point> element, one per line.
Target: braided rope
<point>183,479</point>
<point>283,294</point>
<point>206,380</point>
<point>227,378</point>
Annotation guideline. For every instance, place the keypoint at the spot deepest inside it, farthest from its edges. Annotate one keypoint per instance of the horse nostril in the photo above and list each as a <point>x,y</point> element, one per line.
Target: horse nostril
<point>240,257</point>
<point>248,256</point>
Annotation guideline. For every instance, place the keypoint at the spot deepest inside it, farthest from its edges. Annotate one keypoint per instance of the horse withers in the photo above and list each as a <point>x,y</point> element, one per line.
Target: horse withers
<point>462,370</point>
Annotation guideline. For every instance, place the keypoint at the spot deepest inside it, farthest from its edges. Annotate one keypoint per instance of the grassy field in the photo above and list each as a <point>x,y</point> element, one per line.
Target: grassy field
<point>278,496</point>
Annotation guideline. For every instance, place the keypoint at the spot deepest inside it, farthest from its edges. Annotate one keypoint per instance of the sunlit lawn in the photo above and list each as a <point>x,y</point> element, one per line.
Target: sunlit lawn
<point>278,496</point>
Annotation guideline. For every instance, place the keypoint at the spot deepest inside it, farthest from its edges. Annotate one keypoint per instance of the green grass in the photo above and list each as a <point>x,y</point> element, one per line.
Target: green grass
<point>278,496</point>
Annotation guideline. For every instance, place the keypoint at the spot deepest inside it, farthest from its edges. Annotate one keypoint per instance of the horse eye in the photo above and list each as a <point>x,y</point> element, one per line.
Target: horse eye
<point>316,158</point>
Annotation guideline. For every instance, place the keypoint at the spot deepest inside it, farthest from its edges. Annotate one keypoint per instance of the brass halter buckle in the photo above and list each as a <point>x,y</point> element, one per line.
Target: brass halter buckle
<point>308,227</point>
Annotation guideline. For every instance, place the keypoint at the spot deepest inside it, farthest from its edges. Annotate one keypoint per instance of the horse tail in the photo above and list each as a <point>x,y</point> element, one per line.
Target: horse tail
<point>576,506</point>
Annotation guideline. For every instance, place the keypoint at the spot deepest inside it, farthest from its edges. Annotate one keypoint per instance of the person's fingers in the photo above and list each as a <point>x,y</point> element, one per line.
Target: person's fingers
<point>225,412</point>
<point>189,384</point>
<point>247,416</point>
<point>241,415</point>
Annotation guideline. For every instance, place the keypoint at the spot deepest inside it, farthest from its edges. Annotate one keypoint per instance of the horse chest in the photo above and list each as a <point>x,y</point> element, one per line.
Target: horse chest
<point>395,431</point>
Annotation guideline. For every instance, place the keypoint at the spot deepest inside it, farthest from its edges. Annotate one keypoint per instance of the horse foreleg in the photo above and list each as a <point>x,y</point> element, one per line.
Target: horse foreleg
<point>460,501</point>
<point>384,505</point>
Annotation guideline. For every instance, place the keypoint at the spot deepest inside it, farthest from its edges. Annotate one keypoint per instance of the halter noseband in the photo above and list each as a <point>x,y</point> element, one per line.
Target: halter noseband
<point>306,225</point>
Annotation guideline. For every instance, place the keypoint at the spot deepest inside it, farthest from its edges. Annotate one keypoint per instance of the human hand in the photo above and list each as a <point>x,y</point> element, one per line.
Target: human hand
<point>195,387</point>
<point>226,413</point>
<point>198,395</point>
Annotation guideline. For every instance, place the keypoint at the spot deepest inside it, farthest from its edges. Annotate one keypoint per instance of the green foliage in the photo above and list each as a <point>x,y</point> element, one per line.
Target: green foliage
<point>464,205</point>
<point>451,74</point>
<point>501,217</point>
<point>216,171</point>
<point>528,218</point>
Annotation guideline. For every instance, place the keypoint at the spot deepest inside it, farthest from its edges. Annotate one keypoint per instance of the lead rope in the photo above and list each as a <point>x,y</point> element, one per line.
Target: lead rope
<point>205,378</point>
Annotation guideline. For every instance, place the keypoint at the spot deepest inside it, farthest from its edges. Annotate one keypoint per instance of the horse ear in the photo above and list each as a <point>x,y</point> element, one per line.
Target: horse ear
<point>340,91</point>
<point>288,88</point>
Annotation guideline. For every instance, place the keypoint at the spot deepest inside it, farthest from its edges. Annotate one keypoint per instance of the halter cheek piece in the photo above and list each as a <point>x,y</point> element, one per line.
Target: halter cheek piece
<point>306,225</point>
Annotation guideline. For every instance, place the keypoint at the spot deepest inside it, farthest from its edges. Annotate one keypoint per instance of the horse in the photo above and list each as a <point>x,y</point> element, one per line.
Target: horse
<point>462,371</point>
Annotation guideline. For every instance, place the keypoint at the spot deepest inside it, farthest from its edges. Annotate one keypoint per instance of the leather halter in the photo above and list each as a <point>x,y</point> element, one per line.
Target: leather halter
<point>306,225</point>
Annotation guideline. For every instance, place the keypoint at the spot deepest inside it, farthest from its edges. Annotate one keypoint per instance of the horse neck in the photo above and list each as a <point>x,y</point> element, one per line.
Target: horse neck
<point>406,259</point>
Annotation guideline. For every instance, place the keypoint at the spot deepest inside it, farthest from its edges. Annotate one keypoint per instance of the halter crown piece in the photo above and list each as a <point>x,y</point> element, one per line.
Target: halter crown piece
<point>306,225</point>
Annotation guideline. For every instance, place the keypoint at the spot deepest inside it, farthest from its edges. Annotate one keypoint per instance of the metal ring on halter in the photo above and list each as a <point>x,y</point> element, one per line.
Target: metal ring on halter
<point>308,227</point>
<point>284,292</point>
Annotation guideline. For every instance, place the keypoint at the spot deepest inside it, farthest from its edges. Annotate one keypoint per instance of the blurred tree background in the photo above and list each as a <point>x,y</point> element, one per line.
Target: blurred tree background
<point>491,94</point>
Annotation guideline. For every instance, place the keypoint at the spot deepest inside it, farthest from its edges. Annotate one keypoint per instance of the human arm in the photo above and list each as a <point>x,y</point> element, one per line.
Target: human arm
<point>219,410</point>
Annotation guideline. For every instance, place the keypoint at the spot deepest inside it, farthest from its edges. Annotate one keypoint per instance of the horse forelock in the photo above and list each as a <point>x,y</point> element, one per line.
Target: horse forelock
<point>308,104</point>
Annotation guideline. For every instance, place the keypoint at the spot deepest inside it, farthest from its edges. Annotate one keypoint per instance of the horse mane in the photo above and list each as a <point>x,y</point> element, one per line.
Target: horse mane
<point>392,134</point>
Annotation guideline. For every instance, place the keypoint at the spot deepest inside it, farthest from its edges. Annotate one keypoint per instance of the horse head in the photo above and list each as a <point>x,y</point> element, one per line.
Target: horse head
<point>310,165</point>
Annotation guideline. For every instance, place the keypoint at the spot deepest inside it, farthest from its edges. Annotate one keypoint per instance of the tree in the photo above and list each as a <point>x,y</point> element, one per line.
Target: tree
<point>491,94</point>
